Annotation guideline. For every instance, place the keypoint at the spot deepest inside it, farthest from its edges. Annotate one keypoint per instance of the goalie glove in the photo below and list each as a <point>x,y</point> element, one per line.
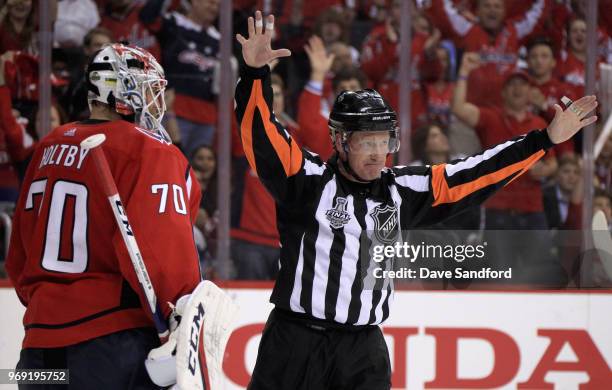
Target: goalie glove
<point>200,326</point>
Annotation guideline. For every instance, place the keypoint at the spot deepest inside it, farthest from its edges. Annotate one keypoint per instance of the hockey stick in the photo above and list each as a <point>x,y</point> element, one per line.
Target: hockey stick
<point>110,190</point>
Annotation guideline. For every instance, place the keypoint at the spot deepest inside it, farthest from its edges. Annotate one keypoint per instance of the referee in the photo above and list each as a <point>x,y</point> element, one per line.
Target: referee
<point>323,332</point>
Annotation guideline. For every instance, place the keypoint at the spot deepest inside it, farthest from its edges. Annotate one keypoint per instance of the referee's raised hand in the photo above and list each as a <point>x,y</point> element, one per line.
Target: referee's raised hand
<point>568,122</point>
<point>257,50</point>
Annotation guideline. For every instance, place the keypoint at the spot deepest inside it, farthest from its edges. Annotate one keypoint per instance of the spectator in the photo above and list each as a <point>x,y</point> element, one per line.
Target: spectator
<point>304,13</point>
<point>343,59</point>
<point>255,240</point>
<point>437,87</point>
<point>122,18</point>
<point>430,145</point>
<point>563,208</point>
<point>278,87</point>
<point>375,11</point>
<point>21,76</point>
<point>64,64</point>
<point>558,197</point>
<point>548,90</point>
<point>602,200</point>
<point>204,163</point>
<point>563,12</point>
<point>332,27</point>
<point>245,6</point>
<point>57,117</point>
<point>314,104</point>
<point>494,36</point>
<point>348,79</point>
<point>96,39</point>
<point>380,59</point>
<point>297,18</point>
<point>16,145</point>
<point>17,26</point>
<point>571,67</point>
<point>170,123</point>
<point>519,207</point>
<point>190,49</point>
<point>605,16</point>
<point>75,99</point>
<point>74,19</point>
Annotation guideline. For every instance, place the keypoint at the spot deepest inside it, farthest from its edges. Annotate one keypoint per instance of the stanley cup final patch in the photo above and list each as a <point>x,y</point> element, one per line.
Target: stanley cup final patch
<point>385,223</point>
<point>338,216</point>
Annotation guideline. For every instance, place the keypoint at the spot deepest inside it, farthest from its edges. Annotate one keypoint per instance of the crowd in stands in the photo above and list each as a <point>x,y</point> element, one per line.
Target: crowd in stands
<point>482,71</point>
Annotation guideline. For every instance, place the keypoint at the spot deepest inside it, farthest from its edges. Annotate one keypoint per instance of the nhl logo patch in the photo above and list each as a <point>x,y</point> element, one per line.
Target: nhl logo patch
<point>385,223</point>
<point>338,216</point>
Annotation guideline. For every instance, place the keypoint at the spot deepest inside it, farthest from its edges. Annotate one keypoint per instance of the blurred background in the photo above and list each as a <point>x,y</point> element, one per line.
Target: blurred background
<point>528,54</point>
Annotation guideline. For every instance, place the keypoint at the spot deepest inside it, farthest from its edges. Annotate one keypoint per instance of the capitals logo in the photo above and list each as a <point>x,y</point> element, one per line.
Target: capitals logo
<point>385,223</point>
<point>338,216</point>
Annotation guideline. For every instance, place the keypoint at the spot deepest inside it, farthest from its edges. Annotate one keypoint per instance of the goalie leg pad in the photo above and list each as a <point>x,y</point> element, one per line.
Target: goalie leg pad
<point>203,333</point>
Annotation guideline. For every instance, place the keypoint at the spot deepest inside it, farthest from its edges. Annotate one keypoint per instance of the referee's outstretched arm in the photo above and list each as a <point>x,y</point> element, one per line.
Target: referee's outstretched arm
<point>272,153</point>
<point>438,192</point>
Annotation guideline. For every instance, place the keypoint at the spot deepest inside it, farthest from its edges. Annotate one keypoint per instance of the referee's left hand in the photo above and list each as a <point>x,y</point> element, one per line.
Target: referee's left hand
<point>567,123</point>
<point>257,50</point>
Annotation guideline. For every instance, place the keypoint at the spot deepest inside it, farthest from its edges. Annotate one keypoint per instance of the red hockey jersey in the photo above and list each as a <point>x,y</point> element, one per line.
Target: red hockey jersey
<point>67,259</point>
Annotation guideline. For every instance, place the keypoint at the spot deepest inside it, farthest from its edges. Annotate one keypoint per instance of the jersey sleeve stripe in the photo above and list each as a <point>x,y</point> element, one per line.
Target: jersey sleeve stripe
<point>460,24</point>
<point>471,162</point>
<point>289,153</point>
<point>419,183</point>
<point>443,194</point>
<point>526,25</point>
<point>246,127</point>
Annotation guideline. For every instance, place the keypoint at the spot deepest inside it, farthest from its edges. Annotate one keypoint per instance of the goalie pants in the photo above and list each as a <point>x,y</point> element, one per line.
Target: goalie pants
<point>114,361</point>
<point>299,355</point>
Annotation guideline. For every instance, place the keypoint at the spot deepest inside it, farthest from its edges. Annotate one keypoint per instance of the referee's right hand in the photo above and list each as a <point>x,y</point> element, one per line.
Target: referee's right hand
<point>257,50</point>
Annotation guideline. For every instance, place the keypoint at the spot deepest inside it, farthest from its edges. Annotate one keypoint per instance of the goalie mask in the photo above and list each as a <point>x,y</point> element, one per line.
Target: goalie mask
<point>131,82</point>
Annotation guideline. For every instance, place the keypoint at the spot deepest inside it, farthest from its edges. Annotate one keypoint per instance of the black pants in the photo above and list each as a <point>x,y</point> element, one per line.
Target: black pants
<point>114,361</point>
<point>295,355</point>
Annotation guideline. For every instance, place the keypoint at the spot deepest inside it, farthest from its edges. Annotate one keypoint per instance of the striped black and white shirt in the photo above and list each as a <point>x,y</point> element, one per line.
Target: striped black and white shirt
<point>322,216</point>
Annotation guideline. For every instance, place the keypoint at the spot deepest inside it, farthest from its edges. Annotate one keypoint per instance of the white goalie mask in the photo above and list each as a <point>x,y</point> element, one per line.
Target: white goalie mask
<point>131,82</point>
